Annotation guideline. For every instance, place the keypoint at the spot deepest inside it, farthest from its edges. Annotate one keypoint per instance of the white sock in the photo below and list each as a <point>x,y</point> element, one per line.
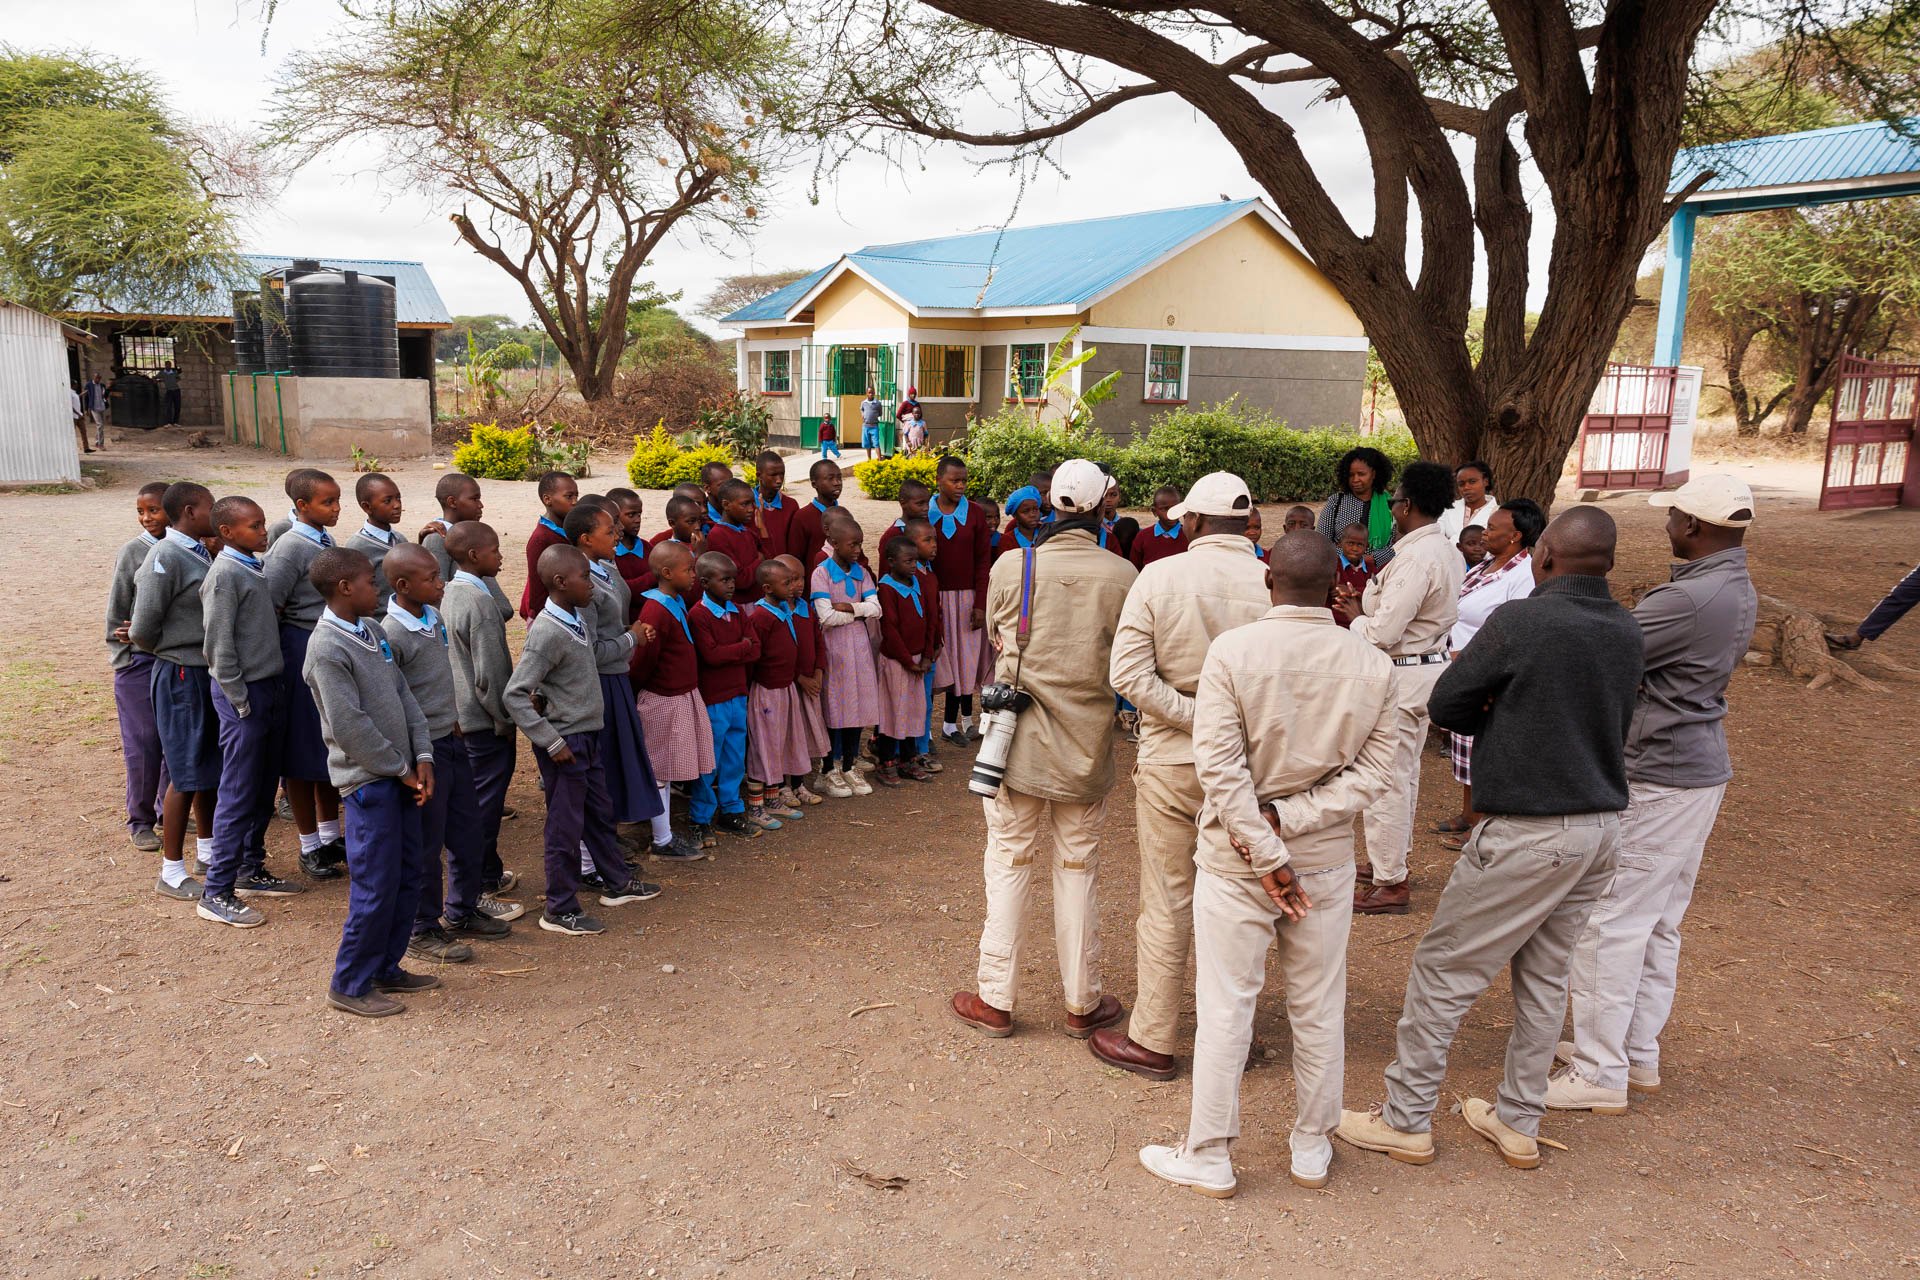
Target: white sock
<point>663,821</point>
<point>173,872</point>
<point>949,726</point>
<point>586,859</point>
<point>309,841</point>
<point>329,831</point>
<point>203,848</point>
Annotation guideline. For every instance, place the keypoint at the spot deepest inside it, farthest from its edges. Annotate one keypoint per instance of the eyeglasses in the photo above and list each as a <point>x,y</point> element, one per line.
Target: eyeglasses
<point>1396,501</point>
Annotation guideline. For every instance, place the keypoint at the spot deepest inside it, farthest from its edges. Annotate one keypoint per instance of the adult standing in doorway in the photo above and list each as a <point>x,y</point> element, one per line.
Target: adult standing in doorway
<point>1475,506</point>
<point>170,387</point>
<point>1407,611</point>
<point>1364,482</point>
<point>1695,628</point>
<point>1059,765</point>
<point>79,416</point>
<point>94,397</point>
<point>870,411</point>
<point>1176,608</point>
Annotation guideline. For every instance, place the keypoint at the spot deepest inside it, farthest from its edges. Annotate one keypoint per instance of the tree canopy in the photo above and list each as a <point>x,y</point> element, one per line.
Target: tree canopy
<point>735,292</point>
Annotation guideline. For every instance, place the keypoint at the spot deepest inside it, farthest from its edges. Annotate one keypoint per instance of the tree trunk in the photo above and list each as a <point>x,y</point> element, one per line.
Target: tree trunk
<point>1825,328</point>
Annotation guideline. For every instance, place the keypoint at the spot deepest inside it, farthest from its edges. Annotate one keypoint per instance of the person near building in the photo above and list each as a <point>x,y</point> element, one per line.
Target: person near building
<point>1407,611</point>
<point>1175,610</point>
<point>93,396</point>
<point>1051,614</point>
<point>1695,629</point>
<point>169,378</point>
<point>79,418</point>
<point>870,411</point>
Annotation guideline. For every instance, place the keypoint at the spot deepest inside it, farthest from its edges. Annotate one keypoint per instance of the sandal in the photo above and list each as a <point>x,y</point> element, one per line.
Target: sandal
<point>1456,842</point>
<point>1451,827</point>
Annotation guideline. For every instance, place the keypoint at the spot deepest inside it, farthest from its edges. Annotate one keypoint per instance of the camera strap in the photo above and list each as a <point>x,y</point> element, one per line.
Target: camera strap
<point>1025,625</point>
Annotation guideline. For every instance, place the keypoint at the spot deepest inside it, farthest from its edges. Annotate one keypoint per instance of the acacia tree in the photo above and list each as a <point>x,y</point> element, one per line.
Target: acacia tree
<point>1454,101</point>
<point>735,292</point>
<point>572,136</point>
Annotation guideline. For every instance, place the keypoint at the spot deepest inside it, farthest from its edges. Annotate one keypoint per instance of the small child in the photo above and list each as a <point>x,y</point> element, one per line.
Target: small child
<point>1023,521</point>
<point>459,497</point>
<point>809,522</point>
<point>133,677</point>
<point>380,759</point>
<point>777,742</point>
<point>557,666</point>
<point>712,476</point>
<point>379,498</point>
<point>964,533</point>
<point>683,526</point>
<point>727,647</point>
<point>303,764</point>
<point>1296,520</point>
<point>629,548</point>
<point>914,501</point>
<point>1167,537</point>
<point>845,602</point>
<point>734,536</point>
<point>907,646</point>
<point>299,476</point>
<point>773,511</point>
<point>167,622</point>
<point>1353,574</point>
<point>916,431</point>
<point>476,614</point>
<point>809,677</point>
<point>558,492</point>
<point>249,691</point>
<point>666,671</point>
<point>1042,481</point>
<point>1473,544</point>
<point>1254,529</point>
<point>1109,517</point>
<point>829,437</point>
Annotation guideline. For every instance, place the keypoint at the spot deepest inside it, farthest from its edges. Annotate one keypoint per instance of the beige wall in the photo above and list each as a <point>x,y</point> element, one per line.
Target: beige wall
<point>1304,388</point>
<point>851,303</point>
<point>786,408</point>
<point>326,417</point>
<point>1244,278</point>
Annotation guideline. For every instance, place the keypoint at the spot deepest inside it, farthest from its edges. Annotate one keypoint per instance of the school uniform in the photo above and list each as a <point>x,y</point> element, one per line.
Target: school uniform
<point>133,694</point>
<point>727,647</point>
<point>557,662</point>
<point>930,595</point>
<point>851,698</point>
<point>167,622</point>
<point>906,637</point>
<point>776,517</point>
<point>666,535</point>
<point>960,566</point>
<point>374,735</point>
<point>278,528</point>
<point>248,676</point>
<point>475,613</point>
<point>1109,539</point>
<point>1156,542</point>
<point>533,597</point>
<point>450,819</point>
<point>667,674</point>
<point>780,739</point>
<point>433,540</point>
<point>623,741</point>
<point>807,534</point>
<point>1352,574</point>
<point>299,604</point>
<point>740,544</point>
<point>811,660</point>
<point>887,535</point>
<point>374,543</point>
<point>631,561</point>
<point>1012,538</point>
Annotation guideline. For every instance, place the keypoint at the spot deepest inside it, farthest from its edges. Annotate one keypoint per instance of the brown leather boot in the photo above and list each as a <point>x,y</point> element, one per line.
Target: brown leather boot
<point>1381,899</point>
<point>1117,1049</point>
<point>981,1016</point>
<point>1104,1014</point>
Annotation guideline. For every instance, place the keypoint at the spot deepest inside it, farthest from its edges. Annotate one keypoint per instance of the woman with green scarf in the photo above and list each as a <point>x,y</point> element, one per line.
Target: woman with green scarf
<point>1366,481</point>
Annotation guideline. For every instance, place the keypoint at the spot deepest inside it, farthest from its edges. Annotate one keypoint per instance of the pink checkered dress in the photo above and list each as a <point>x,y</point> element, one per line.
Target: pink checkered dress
<point>851,696</point>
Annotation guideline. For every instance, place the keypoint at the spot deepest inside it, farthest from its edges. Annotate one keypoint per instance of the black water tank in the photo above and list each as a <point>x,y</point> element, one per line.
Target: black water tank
<point>248,354</point>
<point>342,326</point>
<point>133,400</point>
<point>275,342</point>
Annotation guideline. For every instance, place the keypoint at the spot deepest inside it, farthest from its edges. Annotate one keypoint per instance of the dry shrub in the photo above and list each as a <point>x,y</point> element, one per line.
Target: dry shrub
<point>671,391</point>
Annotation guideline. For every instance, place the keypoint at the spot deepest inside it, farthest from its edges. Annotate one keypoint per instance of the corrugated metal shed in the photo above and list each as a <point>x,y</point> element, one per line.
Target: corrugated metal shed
<point>1064,264</point>
<point>416,301</point>
<point>37,440</point>
<point>1845,153</point>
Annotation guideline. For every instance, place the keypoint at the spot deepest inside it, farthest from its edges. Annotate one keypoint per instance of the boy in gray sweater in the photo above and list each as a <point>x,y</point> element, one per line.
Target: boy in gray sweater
<point>557,666</point>
<point>380,758</point>
<point>303,764</point>
<point>166,622</point>
<point>243,660</point>
<point>133,678</point>
<point>450,819</point>
<point>476,620</point>
<point>379,497</point>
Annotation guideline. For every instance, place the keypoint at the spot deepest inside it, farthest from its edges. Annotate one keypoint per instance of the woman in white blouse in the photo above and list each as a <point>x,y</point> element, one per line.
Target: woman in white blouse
<point>1506,574</point>
<point>1476,503</point>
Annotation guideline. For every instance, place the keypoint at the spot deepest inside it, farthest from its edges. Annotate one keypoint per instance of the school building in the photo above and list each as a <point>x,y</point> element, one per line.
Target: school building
<point>1190,306</point>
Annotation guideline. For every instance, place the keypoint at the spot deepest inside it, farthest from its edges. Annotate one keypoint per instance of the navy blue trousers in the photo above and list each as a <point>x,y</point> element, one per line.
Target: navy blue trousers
<point>450,821</point>
<point>249,777</point>
<point>578,809</point>
<point>388,864</point>
<point>492,756</point>
<point>140,742</point>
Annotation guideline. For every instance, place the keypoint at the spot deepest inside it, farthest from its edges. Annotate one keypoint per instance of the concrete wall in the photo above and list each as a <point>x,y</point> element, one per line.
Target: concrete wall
<point>1305,388</point>
<point>388,418</point>
<point>1245,278</point>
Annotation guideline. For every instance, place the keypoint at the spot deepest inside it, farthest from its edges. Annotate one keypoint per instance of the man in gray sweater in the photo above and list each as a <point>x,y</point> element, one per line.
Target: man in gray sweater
<point>380,758</point>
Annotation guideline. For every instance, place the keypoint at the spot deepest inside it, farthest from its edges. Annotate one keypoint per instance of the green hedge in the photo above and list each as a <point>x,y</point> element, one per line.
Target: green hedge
<point>659,461</point>
<point>879,478</point>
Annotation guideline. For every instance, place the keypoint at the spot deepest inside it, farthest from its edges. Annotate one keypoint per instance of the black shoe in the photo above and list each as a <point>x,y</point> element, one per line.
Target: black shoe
<point>735,825</point>
<point>317,868</point>
<point>679,849</point>
<point>636,891</point>
<point>958,738</point>
<point>401,980</point>
<point>333,853</point>
<point>701,836</point>
<point>435,945</point>
<point>267,885</point>
<point>371,1005</point>
<point>593,880</point>
<point>973,733</point>
<point>479,928</point>
<point>578,923</point>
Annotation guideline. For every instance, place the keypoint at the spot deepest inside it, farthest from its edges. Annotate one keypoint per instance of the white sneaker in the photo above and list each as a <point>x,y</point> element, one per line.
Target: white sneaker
<point>834,783</point>
<point>1568,1090</point>
<point>1639,1079</point>
<point>1311,1159</point>
<point>858,781</point>
<point>864,765</point>
<point>1173,1164</point>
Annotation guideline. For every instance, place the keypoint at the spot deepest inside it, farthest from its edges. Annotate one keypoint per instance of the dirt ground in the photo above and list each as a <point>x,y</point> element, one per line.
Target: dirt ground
<point>705,1089</point>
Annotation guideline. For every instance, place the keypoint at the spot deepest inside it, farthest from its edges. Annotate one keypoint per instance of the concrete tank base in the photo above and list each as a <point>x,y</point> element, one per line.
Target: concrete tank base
<point>387,418</point>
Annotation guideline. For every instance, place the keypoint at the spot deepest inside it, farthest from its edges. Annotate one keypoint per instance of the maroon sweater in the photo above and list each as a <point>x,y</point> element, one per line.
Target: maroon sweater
<point>805,531</point>
<point>905,636</point>
<point>964,559</point>
<point>778,522</point>
<point>668,666</point>
<point>1147,547</point>
<point>728,648</point>
<point>533,597</point>
<point>779,658</point>
<point>742,546</point>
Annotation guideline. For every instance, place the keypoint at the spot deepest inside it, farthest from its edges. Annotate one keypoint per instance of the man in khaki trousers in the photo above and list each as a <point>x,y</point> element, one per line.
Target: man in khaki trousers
<point>1175,609</point>
<point>1059,767</point>
<point>1294,733</point>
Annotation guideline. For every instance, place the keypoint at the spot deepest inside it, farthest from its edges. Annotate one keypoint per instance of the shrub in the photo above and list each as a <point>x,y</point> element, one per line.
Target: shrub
<point>660,462</point>
<point>1003,450</point>
<point>491,453</point>
<point>737,422</point>
<point>880,478</point>
<point>553,451</point>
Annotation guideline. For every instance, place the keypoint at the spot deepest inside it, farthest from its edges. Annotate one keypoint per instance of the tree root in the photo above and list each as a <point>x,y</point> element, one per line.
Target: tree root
<point>1797,639</point>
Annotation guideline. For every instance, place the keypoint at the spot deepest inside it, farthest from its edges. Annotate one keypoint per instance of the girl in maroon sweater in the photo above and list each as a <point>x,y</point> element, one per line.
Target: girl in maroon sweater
<point>778,750</point>
<point>666,671</point>
<point>907,644</point>
<point>963,537</point>
<point>557,493</point>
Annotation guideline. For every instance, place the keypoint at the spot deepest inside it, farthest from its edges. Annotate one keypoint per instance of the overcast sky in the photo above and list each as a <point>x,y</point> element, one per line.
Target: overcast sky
<point>218,60</point>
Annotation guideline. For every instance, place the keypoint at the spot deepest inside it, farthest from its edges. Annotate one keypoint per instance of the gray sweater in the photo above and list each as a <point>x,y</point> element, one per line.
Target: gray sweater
<point>482,663</point>
<point>372,726</point>
<point>560,667</point>
<point>166,604</point>
<point>278,529</point>
<point>422,659</point>
<point>296,599</point>
<point>243,636</point>
<point>435,544</point>
<point>120,596</point>
<point>612,642</point>
<point>374,548</point>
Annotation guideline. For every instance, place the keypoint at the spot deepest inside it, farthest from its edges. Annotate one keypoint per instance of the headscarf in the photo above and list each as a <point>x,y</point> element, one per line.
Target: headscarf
<point>1020,497</point>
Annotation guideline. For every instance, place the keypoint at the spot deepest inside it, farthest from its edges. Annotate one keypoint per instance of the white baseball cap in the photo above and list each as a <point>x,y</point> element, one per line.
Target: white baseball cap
<point>1218,493</point>
<point>1078,486</point>
<point>1712,498</point>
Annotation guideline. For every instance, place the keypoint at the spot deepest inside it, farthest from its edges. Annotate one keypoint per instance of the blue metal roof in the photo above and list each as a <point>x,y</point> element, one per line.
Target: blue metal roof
<point>1844,153</point>
<point>416,300</point>
<point>1064,264</point>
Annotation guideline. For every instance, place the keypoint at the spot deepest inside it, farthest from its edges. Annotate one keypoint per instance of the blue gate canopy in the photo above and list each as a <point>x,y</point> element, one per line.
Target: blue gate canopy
<point>1787,170</point>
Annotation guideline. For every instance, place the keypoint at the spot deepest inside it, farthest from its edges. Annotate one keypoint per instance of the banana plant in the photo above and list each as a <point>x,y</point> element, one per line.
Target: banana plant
<point>1077,406</point>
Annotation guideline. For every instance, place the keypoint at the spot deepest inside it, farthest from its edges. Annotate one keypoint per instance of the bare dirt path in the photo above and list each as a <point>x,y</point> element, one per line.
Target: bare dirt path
<point>175,1100</point>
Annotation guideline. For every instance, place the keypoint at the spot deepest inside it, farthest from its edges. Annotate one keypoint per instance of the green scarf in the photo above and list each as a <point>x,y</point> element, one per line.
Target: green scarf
<point>1379,522</point>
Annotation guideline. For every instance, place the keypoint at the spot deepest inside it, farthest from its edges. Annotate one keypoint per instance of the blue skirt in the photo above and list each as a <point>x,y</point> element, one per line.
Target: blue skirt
<point>304,758</point>
<point>623,753</point>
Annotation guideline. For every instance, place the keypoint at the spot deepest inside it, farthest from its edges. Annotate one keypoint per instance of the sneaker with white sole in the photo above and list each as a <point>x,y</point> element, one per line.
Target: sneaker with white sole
<point>227,909</point>
<point>267,885</point>
<point>1174,1164</point>
<point>1369,1131</point>
<point>1519,1150</point>
<point>1312,1157</point>
<point>1640,1079</point>
<point>1568,1090</point>
<point>576,923</point>
<point>498,908</point>
<point>187,890</point>
<point>858,783</point>
<point>834,783</point>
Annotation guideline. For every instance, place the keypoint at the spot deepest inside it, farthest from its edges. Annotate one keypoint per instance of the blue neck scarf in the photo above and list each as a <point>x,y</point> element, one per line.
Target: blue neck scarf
<point>714,516</point>
<point>779,502</point>
<point>621,549</point>
<point>785,614</point>
<point>911,590</point>
<point>728,524</point>
<point>717,609</point>
<point>853,578</point>
<point>1172,532</point>
<point>551,525</point>
<point>1020,536</point>
<point>673,605</point>
<point>821,507</point>
<point>948,523</point>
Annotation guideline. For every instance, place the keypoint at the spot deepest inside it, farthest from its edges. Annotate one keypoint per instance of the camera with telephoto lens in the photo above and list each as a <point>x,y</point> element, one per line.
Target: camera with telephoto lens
<point>1000,707</point>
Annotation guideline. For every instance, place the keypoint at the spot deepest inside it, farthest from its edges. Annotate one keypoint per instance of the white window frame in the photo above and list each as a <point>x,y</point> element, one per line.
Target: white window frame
<point>1186,357</point>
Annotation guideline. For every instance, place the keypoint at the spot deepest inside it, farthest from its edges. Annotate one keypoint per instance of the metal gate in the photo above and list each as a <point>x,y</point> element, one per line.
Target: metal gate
<point>1869,445</point>
<point>1623,438</point>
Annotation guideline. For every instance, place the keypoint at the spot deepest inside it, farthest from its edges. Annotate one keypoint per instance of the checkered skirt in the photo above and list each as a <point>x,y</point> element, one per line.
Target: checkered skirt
<point>1460,748</point>
<point>959,663</point>
<point>780,739</point>
<point>903,701</point>
<point>679,735</point>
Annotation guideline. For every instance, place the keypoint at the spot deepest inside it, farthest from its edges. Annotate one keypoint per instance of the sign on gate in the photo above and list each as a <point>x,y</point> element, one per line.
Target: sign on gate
<point>1870,461</point>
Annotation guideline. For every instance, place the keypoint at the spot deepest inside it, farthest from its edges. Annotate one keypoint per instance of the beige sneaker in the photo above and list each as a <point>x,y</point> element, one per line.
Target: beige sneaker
<point>1639,1079</point>
<point>834,783</point>
<point>1516,1148</point>
<point>858,781</point>
<point>1368,1131</point>
<point>1568,1090</point>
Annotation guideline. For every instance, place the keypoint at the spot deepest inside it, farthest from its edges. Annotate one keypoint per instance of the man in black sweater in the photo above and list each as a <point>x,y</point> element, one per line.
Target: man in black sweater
<point>1547,690</point>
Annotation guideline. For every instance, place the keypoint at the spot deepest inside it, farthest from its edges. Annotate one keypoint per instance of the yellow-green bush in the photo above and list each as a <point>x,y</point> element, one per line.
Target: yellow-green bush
<point>492,453</point>
<point>659,461</point>
<point>880,478</point>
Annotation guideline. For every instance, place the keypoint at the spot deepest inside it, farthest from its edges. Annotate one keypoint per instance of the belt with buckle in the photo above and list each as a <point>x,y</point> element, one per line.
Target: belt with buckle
<point>1421,659</point>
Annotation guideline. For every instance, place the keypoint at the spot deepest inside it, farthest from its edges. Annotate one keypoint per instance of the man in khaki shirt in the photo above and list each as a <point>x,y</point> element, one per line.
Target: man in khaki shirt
<point>1407,612</point>
<point>1060,766</point>
<point>1294,733</point>
<point>1176,608</point>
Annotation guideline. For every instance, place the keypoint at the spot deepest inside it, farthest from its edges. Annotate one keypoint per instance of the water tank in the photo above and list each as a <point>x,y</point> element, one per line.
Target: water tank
<point>275,342</point>
<point>248,354</point>
<point>133,400</point>
<point>342,326</point>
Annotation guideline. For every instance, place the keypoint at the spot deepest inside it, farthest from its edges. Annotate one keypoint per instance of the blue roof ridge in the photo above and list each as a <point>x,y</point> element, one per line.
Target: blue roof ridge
<point>1825,130</point>
<point>1223,205</point>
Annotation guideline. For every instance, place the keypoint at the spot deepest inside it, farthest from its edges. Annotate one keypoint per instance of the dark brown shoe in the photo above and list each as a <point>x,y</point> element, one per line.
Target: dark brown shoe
<point>400,981</point>
<point>370,1005</point>
<point>981,1016</point>
<point>1117,1049</point>
<point>1362,876</point>
<point>1105,1014</point>
<point>1382,899</point>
